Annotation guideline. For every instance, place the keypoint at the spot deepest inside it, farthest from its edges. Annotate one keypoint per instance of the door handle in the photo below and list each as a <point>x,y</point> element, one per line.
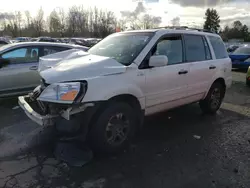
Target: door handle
<point>212,67</point>
<point>183,72</point>
<point>34,68</point>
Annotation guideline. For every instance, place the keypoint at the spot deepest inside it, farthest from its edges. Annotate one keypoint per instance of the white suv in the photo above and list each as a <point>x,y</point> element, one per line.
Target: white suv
<point>104,94</point>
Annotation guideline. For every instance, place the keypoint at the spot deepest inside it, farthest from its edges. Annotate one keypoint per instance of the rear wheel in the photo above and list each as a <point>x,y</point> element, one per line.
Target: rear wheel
<point>213,100</point>
<point>113,128</point>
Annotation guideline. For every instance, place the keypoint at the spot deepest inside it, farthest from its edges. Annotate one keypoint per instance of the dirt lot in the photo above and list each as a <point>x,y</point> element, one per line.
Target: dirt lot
<point>176,149</point>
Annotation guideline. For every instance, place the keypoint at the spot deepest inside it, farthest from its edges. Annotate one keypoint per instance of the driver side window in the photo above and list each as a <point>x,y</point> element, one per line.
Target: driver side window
<point>22,55</point>
<point>172,48</point>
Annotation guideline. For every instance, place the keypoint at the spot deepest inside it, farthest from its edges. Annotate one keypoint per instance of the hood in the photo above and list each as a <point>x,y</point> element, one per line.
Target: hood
<point>78,66</point>
<point>239,57</point>
<point>52,60</point>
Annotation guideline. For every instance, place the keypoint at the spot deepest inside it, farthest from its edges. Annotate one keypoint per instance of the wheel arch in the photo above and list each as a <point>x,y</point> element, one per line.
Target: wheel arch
<point>129,99</point>
<point>218,80</point>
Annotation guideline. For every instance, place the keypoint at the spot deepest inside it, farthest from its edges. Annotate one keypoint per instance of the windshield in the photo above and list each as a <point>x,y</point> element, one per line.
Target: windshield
<point>124,48</point>
<point>242,50</point>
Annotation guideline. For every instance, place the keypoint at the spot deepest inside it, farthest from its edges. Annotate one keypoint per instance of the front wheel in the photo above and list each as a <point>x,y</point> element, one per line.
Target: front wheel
<point>213,100</point>
<point>113,128</point>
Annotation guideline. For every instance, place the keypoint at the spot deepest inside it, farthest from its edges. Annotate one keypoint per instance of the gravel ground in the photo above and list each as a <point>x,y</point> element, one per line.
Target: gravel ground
<point>179,148</point>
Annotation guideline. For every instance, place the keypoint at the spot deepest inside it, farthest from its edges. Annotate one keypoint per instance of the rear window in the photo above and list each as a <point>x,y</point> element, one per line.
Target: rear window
<point>242,50</point>
<point>219,47</point>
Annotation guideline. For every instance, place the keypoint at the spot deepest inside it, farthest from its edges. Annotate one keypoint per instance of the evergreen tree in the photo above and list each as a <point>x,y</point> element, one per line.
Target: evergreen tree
<point>212,20</point>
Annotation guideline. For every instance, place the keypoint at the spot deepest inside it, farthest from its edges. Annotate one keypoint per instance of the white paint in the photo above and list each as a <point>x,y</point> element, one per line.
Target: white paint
<point>157,89</point>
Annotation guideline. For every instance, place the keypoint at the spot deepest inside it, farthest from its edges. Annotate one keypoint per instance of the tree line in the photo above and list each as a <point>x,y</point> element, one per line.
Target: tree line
<point>236,30</point>
<point>77,21</point>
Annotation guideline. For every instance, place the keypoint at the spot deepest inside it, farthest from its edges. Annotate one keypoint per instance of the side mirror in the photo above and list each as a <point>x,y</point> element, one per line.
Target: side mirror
<point>158,61</point>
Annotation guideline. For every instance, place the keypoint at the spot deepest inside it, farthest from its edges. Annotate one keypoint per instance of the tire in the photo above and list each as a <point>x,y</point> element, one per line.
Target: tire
<point>211,104</point>
<point>105,136</point>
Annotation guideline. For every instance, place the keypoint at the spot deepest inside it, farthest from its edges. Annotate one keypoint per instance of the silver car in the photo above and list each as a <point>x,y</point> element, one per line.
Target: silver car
<point>19,63</point>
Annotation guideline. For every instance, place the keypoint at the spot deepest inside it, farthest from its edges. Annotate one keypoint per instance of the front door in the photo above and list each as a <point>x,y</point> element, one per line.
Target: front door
<point>166,86</point>
<point>19,74</point>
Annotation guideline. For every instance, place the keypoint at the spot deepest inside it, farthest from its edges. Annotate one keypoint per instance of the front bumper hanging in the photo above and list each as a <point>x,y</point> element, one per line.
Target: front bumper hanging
<point>49,119</point>
<point>43,120</point>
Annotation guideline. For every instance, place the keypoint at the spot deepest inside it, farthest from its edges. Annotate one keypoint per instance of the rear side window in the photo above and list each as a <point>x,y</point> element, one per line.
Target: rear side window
<point>54,49</point>
<point>219,47</point>
<point>195,49</point>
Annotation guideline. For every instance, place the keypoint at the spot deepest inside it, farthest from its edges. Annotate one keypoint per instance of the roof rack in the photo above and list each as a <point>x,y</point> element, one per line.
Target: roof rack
<point>186,28</point>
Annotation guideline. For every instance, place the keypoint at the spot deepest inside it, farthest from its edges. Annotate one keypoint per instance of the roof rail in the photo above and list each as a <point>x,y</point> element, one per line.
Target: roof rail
<point>186,28</point>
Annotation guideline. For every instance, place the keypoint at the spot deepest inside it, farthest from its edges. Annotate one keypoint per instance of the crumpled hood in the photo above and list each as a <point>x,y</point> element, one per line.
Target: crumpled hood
<point>79,67</point>
<point>52,60</point>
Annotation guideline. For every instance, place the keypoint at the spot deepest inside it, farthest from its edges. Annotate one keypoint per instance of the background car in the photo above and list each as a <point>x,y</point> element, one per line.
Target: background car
<point>4,41</point>
<point>46,39</point>
<point>79,41</point>
<point>241,57</point>
<point>19,63</point>
<point>22,39</point>
<point>33,39</point>
<point>232,48</point>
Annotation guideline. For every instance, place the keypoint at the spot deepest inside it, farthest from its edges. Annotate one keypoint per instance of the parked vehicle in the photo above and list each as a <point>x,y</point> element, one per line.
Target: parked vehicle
<point>33,39</point>
<point>92,41</point>
<point>241,57</point>
<point>4,41</point>
<point>79,41</point>
<point>105,93</point>
<point>22,39</point>
<point>45,39</point>
<point>19,62</point>
<point>232,48</point>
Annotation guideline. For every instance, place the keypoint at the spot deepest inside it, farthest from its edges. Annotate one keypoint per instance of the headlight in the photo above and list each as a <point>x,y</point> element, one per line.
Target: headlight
<point>64,92</point>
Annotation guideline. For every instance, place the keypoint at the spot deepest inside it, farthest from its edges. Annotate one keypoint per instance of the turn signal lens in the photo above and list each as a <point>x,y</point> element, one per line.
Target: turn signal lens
<point>69,96</point>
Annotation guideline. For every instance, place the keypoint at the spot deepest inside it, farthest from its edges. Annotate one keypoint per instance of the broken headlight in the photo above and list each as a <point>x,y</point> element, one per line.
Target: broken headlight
<point>68,92</point>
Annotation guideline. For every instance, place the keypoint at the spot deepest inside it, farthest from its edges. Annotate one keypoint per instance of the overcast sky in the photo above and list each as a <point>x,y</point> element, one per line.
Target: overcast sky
<point>185,11</point>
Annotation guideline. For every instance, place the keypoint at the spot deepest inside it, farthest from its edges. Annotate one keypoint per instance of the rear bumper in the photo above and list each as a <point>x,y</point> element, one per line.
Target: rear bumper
<point>46,120</point>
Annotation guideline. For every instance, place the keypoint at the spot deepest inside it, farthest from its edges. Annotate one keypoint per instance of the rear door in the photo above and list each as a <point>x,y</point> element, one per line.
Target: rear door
<point>19,74</point>
<point>198,54</point>
<point>221,64</point>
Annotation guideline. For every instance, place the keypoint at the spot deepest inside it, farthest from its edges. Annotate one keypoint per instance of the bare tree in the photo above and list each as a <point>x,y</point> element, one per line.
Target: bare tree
<point>12,24</point>
<point>54,22</point>
<point>19,21</point>
<point>39,22</point>
<point>62,21</point>
<point>72,20</point>
<point>78,21</point>
<point>28,18</point>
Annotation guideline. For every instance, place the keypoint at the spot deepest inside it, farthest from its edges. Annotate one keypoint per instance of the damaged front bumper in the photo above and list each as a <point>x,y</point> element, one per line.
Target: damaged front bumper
<point>49,119</point>
<point>44,120</point>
